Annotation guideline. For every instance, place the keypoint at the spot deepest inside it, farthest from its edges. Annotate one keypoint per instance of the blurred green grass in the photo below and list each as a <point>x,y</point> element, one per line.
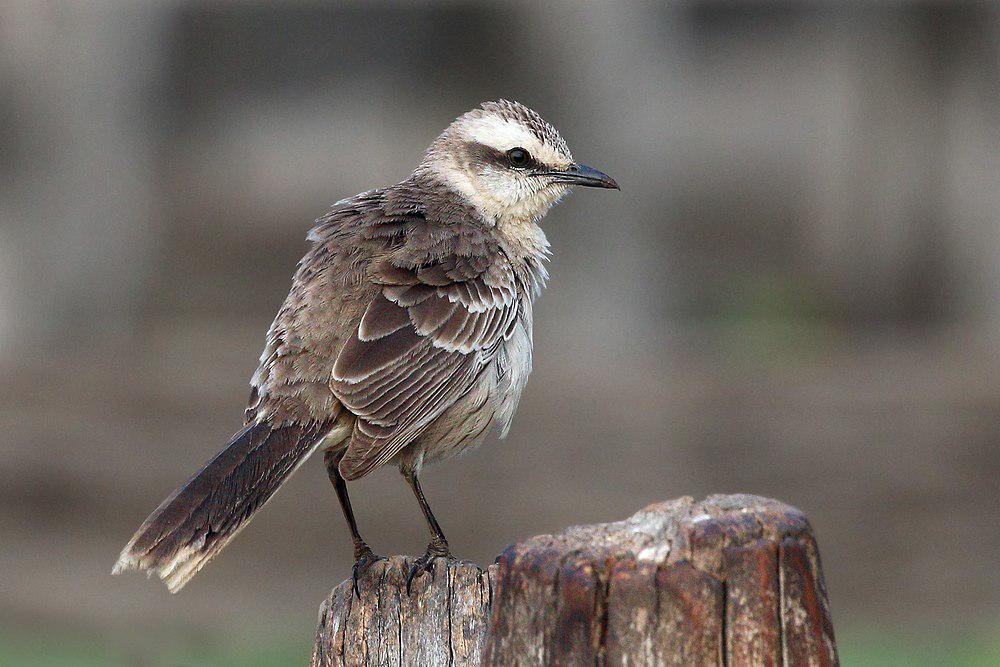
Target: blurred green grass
<point>863,648</point>
<point>870,648</point>
<point>76,651</point>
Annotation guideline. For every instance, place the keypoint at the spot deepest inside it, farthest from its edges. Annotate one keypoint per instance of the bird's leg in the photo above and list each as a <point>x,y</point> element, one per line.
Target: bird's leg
<point>438,547</point>
<point>364,557</point>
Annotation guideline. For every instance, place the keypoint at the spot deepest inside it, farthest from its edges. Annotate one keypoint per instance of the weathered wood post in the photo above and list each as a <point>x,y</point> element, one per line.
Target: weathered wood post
<point>730,580</point>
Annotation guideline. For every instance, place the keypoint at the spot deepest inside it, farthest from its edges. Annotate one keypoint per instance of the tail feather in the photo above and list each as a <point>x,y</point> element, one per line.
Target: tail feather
<point>199,519</point>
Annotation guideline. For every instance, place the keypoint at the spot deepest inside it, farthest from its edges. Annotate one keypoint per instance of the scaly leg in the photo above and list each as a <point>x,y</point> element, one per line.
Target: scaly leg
<point>364,557</point>
<point>438,547</point>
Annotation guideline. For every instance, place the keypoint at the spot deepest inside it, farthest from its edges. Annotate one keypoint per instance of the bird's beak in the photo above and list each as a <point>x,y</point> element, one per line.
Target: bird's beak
<point>581,174</point>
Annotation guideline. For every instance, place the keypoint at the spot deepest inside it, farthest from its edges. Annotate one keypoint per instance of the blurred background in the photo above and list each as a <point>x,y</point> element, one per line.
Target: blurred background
<point>796,294</point>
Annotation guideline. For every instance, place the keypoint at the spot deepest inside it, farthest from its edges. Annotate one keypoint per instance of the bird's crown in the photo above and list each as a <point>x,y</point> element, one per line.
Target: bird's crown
<point>517,113</point>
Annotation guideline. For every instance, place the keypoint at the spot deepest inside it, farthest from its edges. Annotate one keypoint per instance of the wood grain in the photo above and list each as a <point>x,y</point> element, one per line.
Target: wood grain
<point>729,580</point>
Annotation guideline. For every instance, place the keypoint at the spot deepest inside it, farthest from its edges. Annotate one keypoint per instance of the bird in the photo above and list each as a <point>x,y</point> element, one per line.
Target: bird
<point>405,338</point>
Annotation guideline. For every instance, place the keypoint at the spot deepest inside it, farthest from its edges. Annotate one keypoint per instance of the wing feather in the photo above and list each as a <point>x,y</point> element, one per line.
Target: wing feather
<point>431,315</point>
<point>361,359</point>
<point>420,346</point>
<point>381,319</point>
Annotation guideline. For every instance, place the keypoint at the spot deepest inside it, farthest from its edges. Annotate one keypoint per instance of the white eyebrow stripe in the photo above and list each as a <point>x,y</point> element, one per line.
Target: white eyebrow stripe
<point>501,134</point>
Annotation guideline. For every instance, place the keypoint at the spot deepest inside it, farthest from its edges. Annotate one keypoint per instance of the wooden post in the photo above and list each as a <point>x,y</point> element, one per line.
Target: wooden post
<point>730,580</point>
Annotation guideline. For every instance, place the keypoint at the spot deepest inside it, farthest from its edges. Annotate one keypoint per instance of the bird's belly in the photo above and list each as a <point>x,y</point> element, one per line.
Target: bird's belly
<point>463,425</point>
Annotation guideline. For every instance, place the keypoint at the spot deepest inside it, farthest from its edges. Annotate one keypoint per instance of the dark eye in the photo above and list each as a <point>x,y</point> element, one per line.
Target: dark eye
<point>518,157</point>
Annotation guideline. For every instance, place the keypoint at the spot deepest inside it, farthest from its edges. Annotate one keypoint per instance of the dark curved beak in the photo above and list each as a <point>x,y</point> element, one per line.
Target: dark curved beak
<point>581,174</point>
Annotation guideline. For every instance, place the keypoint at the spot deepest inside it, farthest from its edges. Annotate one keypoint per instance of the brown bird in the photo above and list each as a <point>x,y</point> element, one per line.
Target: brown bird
<point>405,337</point>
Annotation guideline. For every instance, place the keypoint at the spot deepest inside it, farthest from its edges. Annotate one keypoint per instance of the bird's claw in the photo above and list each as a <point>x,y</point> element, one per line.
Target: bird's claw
<point>365,559</point>
<point>422,564</point>
<point>425,563</point>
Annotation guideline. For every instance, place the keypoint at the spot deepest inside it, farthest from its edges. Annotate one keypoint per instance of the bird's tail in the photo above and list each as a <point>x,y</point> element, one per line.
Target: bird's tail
<point>200,518</point>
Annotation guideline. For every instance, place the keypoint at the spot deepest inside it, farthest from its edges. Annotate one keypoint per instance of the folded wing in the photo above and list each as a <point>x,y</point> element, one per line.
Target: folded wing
<point>420,346</point>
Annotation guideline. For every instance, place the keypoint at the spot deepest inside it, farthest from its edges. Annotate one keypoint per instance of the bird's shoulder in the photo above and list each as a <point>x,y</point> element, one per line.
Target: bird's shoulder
<point>416,224</point>
<point>401,214</point>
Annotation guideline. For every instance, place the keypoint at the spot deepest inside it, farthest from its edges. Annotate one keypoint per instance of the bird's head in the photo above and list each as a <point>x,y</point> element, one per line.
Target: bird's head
<point>507,162</point>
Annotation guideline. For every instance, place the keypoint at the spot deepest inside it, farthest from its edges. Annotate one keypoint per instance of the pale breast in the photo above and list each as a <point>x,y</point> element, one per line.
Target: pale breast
<point>459,428</point>
<point>513,366</point>
<point>491,402</point>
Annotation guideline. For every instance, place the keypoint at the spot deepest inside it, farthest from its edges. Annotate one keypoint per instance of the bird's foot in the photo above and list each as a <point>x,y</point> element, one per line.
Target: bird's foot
<point>365,558</point>
<point>436,549</point>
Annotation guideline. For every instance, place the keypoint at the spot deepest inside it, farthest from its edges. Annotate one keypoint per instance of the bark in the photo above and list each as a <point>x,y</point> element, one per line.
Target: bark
<point>728,580</point>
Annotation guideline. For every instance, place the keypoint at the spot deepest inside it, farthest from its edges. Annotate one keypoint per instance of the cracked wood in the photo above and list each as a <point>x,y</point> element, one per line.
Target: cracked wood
<point>729,580</point>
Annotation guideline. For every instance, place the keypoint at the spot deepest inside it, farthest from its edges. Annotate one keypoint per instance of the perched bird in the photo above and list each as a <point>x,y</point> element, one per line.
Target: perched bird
<point>405,337</point>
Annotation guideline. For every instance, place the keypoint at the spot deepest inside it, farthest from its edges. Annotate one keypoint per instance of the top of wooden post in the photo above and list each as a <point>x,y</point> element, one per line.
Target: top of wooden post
<point>727,580</point>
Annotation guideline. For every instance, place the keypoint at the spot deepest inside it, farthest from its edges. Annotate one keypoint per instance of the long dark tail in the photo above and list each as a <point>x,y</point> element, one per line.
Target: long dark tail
<point>194,524</point>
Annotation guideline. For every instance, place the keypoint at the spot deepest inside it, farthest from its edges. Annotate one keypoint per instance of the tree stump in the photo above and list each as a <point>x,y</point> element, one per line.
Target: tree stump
<point>730,580</point>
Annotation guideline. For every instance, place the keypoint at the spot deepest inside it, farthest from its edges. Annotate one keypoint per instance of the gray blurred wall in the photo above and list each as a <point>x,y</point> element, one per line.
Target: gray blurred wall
<point>797,292</point>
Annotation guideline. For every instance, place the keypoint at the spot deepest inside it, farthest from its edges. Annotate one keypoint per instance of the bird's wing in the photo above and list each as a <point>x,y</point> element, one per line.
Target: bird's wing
<point>420,346</point>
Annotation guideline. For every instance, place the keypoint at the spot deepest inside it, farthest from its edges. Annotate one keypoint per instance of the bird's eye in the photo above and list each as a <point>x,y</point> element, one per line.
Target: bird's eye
<point>518,157</point>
